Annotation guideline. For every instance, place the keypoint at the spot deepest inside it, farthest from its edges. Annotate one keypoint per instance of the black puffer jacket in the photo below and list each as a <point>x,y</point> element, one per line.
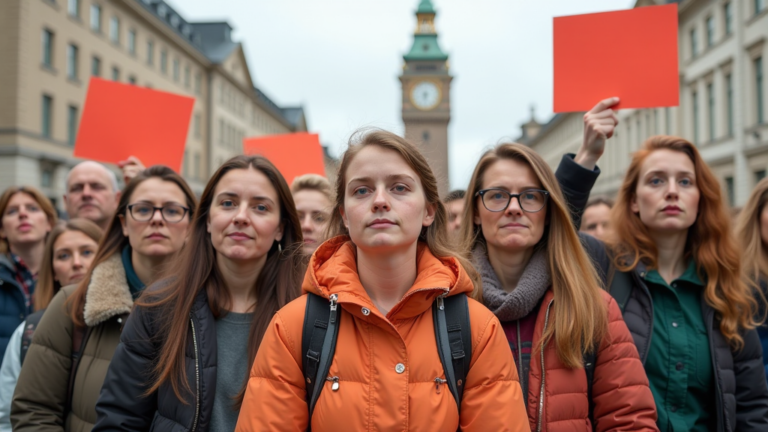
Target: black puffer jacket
<point>121,405</point>
<point>742,396</point>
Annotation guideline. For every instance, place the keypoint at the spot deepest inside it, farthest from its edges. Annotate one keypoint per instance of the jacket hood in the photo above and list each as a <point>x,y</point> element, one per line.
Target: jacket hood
<point>108,292</point>
<point>333,270</point>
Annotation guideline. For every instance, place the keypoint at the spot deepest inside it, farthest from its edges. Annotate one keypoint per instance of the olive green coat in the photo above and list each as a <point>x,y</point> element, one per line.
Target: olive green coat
<point>40,399</point>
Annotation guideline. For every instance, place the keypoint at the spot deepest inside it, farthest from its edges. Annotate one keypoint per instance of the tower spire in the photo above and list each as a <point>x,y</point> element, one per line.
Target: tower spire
<point>425,46</point>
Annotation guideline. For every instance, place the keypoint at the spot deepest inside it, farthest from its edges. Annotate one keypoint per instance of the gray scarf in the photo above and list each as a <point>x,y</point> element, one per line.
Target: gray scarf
<point>532,286</point>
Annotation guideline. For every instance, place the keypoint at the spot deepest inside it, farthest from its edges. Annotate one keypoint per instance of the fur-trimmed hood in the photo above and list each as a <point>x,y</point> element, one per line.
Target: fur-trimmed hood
<point>108,292</point>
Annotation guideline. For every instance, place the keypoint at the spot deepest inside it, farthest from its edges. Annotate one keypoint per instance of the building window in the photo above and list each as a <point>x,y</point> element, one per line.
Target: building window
<point>197,125</point>
<point>221,131</point>
<point>96,66</point>
<point>710,31</point>
<point>711,111</point>
<point>47,112</point>
<point>96,18</point>
<point>729,102</point>
<point>131,79</point>
<point>695,101</point>
<point>163,61</point>
<point>48,48</point>
<point>46,177</point>
<point>759,6</point>
<point>115,73</point>
<point>729,189</point>
<point>667,121</point>
<point>176,70</point>
<point>759,90</point>
<point>150,53</point>
<point>114,30</point>
<point>197,166</point>
<point>759,175</point>
<point>728,13</point>
<point>187,75</point>
<point>694,44</point>
<point>198,83</point>
<point>71,125</point>
<point>73,8</point>
<point>72,54</point>
<point>132,41</point>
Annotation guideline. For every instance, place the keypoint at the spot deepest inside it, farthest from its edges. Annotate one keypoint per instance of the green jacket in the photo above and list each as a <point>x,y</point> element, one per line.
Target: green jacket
<point>40,399</point>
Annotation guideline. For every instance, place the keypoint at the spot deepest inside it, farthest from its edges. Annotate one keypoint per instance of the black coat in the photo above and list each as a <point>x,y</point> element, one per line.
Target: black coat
<point>121,405</point>
<point>740,383</point>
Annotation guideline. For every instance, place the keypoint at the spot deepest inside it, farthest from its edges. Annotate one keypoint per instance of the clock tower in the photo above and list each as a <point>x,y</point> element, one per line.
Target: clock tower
<point>426,87</point>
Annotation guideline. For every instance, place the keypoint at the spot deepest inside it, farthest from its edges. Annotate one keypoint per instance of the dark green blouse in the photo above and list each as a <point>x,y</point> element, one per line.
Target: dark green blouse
<point>679,363</point>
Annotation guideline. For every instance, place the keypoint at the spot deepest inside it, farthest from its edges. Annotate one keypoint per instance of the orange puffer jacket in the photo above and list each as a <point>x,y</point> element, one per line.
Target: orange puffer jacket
<point>372,395</point>
<point>623,400</point>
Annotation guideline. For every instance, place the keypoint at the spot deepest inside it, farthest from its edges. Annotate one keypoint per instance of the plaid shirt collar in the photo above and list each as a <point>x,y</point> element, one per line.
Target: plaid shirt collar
<point>24,277</point>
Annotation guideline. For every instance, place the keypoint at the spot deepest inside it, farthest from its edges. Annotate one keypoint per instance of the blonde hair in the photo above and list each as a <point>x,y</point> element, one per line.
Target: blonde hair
<point>435,235</point>
<point>754,253</point>
<point>313,182</point>
<point>581,317</point>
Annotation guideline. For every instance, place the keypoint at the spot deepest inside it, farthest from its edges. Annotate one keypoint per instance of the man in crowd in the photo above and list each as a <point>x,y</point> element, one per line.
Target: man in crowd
<point>454,205</point>
<point>92,193</point>
<point>596,218</point>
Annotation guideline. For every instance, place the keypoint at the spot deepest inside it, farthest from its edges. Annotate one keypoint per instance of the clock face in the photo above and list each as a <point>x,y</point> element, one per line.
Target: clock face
<point>425,95</point>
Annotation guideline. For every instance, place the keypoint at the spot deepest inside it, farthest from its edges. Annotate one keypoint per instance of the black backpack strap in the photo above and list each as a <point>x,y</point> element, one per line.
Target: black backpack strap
<point>80,336</point>
<point>26,334</point>
<point>590,358</point>
<point>454,341</point>
<point>318,343</point>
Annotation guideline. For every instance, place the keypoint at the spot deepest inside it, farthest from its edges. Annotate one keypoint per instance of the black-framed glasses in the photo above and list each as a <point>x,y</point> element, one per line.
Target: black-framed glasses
<point>171,213</point>
<point>497,199</point>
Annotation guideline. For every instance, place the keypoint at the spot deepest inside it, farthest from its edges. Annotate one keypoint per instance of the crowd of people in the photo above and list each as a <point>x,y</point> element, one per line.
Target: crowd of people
<point>374,304</point>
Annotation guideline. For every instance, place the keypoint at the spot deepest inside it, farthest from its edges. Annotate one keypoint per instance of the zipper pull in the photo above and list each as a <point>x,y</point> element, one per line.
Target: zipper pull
<point>440,304</point>
<point>335,381</point>
<point>439,381</point>
<point>333,299</point>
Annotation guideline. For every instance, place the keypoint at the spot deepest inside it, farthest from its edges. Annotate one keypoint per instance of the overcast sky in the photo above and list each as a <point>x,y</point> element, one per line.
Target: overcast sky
<point>340,59</point>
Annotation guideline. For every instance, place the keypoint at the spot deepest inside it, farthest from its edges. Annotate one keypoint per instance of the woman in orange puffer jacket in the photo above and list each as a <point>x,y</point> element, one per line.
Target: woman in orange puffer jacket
<point>540,283</point>
<point>385,274</point>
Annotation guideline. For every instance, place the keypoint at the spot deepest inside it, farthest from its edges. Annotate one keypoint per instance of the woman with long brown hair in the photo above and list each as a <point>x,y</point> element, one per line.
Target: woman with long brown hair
<point>68,253</point>
<point>752,234</point>
<point>540,284</point>
<point>186,349</point>
<point>66,364</point>
<point>26,218</point>
<point>679,282</point>
<point>384,278</point>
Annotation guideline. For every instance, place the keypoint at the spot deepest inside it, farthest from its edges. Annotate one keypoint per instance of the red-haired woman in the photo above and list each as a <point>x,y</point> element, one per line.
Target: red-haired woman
<point>184,354</point>
<point>680,288</point>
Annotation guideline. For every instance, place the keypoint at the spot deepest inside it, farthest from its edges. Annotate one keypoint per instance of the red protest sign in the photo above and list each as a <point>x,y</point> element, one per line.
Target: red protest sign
<point>293,154</point>
<point>631,54</point>
<point>121,120</point>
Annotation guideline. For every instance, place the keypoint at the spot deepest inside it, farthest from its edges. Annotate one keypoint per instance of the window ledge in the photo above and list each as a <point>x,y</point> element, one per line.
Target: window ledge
<point>74,80</point>
<point>48,68</point>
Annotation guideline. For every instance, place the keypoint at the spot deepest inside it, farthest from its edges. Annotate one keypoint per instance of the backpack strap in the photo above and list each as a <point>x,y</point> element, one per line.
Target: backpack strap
<point>30,325</point>
<point>80,335</point>
<point>318,342</point>
<point>454,341</point>
<point>590,358</point>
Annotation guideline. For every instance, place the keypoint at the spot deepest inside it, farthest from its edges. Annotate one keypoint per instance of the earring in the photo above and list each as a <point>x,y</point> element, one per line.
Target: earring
<point>279,247</point>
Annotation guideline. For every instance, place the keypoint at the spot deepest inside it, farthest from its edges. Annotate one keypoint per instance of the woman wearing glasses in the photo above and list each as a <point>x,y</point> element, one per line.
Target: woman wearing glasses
<point>73,345</point>
<point>541,285</point>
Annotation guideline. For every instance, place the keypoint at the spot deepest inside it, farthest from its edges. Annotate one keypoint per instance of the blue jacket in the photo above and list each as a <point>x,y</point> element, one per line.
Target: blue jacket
<point>762,329</point>
<point>13,310</point>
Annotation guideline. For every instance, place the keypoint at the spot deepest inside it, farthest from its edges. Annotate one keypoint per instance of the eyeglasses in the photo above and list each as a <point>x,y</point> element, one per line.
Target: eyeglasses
<point>530,200</point>
<point>171,213</point>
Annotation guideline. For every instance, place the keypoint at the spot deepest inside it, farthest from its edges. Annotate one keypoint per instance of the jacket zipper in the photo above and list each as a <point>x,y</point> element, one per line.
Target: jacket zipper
<point>543,375</point>
<point>520,362</point>
<point>197,376</point>
<point>438,382</point>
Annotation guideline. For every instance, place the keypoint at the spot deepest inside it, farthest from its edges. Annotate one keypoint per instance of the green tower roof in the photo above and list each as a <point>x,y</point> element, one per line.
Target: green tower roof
<point>425,7</point>
<point>425,47</point>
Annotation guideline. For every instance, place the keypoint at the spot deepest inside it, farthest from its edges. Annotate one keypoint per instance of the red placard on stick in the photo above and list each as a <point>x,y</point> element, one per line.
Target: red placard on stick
<point>293,154</point>
<point>121,120</point>
<point>631,54</point>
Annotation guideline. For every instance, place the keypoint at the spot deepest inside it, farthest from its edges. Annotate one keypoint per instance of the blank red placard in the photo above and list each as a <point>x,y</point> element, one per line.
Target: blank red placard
<point>293,154</point>
<point>121,120</point>
<point>631,54</point>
